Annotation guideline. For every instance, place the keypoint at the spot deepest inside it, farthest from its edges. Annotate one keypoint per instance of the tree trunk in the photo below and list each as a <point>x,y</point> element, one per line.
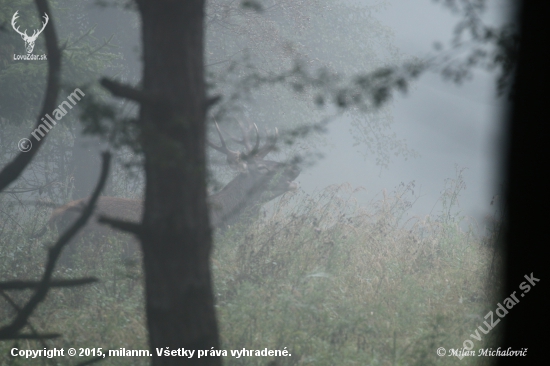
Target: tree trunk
<point>176,235</point>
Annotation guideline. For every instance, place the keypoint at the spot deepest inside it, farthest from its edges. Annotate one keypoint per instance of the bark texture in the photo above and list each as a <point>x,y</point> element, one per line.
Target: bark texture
<point>176,237</point>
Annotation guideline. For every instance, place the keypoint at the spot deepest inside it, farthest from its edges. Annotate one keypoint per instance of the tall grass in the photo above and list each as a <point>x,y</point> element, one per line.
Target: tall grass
<point>339,284</point>
<point>332,281</point>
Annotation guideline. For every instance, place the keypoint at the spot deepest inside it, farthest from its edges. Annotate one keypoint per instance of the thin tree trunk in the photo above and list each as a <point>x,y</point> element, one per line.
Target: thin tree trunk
<point>86,165</point>
<point>176,236</point>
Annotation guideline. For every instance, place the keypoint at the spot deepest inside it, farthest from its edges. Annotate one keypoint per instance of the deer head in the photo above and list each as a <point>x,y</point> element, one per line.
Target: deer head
<point>29,40</point>
<point>258,181</point>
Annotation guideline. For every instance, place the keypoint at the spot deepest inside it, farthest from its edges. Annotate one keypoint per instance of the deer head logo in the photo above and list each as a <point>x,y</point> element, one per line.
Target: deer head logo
<point>29,40</point>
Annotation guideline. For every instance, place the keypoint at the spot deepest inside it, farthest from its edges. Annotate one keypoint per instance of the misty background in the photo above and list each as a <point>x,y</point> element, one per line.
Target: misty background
<point>447,124</point>
<point>451,127</point>
<point>377,282</point>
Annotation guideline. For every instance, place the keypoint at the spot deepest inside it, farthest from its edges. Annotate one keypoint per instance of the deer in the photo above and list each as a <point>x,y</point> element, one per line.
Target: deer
<point>258,181</point>
<point>29,40</point>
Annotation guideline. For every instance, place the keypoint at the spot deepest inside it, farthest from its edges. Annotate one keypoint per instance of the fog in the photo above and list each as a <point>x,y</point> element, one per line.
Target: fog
<point>288,258</point>
<point>447,124</point>
<point>450,126</point>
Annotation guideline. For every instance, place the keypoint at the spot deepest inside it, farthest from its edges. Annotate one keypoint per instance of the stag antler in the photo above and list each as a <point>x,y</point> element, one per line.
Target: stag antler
<point>269,145</point>
<point>233,157</point>
<point>246,133</point>
<point>245,140</point>
<point>238,159</point>
<point>29,40</point>
<point>256,151</point>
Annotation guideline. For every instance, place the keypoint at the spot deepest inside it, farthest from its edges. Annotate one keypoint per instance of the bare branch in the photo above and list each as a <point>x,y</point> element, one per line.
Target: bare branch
<point>210,102</point>
<point>30,189</point>
<point>24,285</point>
<point>125,91</point>
<point>16,307</point>
<point>14,169</point>
<point>10,331</point>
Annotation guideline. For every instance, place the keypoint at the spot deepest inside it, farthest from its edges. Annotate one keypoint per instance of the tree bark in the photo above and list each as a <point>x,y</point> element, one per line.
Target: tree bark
<point>176,237</point>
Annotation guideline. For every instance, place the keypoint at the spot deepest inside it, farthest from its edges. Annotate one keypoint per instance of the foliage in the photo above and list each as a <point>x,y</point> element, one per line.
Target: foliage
<point>327,279</point>
<point>477,44</point>
<point>334,282</point>
<point>262,66</point>
<point>50,175</point>
<point>281,66</point>
<point>339,284</point>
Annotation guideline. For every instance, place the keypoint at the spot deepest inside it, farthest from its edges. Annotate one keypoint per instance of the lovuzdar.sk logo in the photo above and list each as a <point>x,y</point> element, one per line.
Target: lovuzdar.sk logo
<point>29,40</point>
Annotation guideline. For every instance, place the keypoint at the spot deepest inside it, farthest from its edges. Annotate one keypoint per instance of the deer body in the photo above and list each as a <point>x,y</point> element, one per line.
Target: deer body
<point>242,193</point>
<point>259,181</point>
